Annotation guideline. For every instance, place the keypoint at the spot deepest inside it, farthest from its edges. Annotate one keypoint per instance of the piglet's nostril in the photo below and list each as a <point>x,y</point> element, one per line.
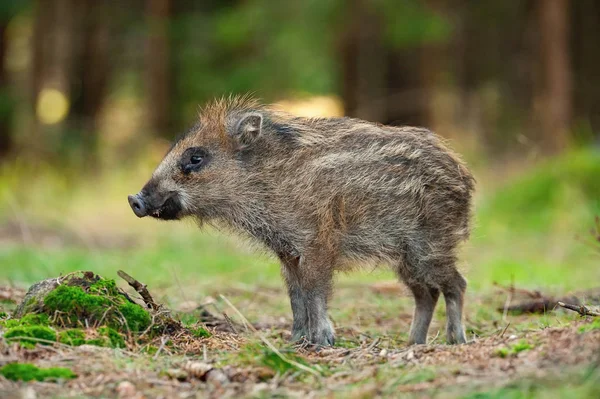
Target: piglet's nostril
<point>137,205</point>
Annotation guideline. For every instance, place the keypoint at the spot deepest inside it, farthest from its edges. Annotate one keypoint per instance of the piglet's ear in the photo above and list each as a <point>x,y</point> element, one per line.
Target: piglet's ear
<point>248,127</point>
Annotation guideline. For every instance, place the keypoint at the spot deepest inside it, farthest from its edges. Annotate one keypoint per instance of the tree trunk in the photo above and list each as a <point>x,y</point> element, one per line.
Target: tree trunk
<point>158,72</point>
<point>554,102</point>
<point>6,103</point>
<point>364,65</point>
<point>91,70</point>
<point>53,44</point>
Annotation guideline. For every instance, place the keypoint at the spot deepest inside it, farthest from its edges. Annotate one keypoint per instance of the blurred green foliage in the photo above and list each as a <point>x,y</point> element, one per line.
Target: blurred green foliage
<point>411,22</point>
<point>279,48</point>
<point>531,201</point>
<point>8,8</point>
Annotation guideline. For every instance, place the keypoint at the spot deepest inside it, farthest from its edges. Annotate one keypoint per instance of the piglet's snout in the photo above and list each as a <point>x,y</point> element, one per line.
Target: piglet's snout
<point>138,205</point>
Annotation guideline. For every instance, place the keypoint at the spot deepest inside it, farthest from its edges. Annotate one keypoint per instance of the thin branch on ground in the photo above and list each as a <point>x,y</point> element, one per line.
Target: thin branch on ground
<point>368,348</point>
<point>509,297</point>
<point>231,325</point>
<point>163,341</point>
<point>140,288</point>
<point>581,309</point>
<point>504,330</point>
<point>514,290</point>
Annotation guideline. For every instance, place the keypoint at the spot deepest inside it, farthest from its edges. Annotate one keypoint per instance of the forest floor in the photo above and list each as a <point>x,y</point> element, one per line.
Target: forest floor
<point>551,355</point>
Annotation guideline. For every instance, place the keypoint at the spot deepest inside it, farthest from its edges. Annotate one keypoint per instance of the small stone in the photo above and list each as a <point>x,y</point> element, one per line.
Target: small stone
<point>34,299</point>
<point>216,377</point>
<point>383,353</point>
<point>177,374</point>
<point>259,388</point>
<point>208,300</point>
<point>28,393</point>
<point>265,373</point>
<point>126,389</point>
<point>197,369</point>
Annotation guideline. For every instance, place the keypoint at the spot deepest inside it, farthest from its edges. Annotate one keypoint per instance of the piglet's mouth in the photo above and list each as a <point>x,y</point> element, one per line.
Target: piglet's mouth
<point>142,206</point>
<point>169,210</point>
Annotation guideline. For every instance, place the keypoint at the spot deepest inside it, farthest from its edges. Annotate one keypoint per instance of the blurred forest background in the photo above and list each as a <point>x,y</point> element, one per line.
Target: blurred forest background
<point>91,93</point>
<point>89,83</point>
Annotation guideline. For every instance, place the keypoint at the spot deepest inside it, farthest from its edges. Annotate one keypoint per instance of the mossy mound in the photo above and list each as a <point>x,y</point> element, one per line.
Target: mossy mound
<point>84,299</point>
<point>29,372</point>
<point>83,308</point>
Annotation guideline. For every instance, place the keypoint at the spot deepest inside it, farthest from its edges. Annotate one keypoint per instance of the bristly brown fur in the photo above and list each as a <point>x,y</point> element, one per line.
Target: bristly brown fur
<point>323,193</point>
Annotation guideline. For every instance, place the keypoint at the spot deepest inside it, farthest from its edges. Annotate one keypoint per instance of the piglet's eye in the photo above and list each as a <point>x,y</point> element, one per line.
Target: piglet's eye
<point>193,159</point>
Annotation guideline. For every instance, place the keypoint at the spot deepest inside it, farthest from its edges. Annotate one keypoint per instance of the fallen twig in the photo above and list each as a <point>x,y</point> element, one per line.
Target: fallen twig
<point>140,288</point>
<point>368,348</point>
<point>299,366</point>
<point>512,289</point>
<point>541,303</point>
<point>231,325</point>
<point>581,309</point>
<point>509,297</point>
<point>504,330</point>
<point>163,341</point>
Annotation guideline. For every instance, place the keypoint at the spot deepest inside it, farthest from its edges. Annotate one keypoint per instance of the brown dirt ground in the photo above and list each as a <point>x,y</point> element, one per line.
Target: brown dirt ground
<point>195,368</point>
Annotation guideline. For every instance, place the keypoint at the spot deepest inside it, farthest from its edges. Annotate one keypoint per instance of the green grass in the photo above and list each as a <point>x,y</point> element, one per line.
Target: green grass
<point>29,372</point>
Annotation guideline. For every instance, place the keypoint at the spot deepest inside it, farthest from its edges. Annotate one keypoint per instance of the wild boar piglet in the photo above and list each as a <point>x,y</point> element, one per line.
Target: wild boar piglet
<point>324,194</point>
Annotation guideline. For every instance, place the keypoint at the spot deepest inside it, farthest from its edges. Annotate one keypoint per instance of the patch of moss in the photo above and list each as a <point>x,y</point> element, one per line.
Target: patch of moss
<point>115,339</point>
<point>102,304</point>
<point>521,346</point>
<point>73,337</point>
<point>513,350</point>
<point>136,317</point>
<point>104,287</point>
<point>10,323</point>
<point>200,332</point>
<point>103,341</point>
<point>150,349</point>
<point>501,352</point>
<point>27,320</point>
<point>29,372</point>
<point>75,302</point>
<point>35,320</point>
<point>108,337</point>
<point>40,334</point>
